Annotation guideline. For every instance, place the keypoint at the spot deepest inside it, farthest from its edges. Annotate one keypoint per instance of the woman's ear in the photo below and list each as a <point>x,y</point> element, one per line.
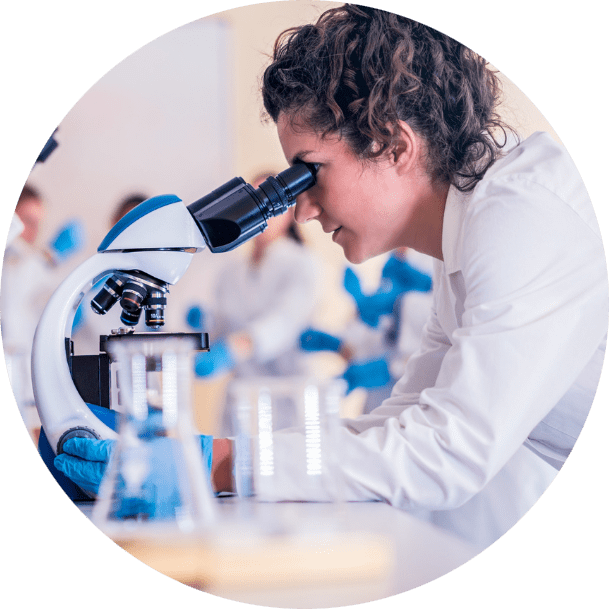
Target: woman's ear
<point>406,151</point>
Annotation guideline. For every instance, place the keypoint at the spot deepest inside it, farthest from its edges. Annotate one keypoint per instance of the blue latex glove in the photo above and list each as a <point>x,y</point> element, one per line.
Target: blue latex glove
<point>371,374</point>
<point>381,303</point>
<point>317,341</point>
<point>398,277</point>
<point>404,277</point>
<point>218,360</point>
<point>84,461</point>
<point>351,283</point>
<point>370,307</point>
<point>195,317</point>
<point>68,240</point>
<point>106,416</point>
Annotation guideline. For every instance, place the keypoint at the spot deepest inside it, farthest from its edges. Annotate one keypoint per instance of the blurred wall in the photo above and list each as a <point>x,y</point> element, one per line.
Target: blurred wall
<point>183,115</point>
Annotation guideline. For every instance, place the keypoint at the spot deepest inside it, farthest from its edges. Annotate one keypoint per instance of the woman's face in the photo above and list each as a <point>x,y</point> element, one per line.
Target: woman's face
<point>364,205</point>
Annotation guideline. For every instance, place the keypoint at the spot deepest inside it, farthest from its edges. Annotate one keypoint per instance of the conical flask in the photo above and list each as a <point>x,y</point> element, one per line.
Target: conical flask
<point>156,479</point>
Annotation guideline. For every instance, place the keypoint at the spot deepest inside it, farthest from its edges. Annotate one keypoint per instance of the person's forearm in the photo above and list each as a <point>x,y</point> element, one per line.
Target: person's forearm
<point>222,465</point>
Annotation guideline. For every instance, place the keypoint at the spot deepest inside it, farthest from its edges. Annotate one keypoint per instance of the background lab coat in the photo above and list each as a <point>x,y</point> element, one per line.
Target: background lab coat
<point>272,301</point>
<point>27,283</point>
<point>516,338</point>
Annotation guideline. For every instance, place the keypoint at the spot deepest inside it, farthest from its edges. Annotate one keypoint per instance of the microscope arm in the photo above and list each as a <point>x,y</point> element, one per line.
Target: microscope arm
<point>63,413</point>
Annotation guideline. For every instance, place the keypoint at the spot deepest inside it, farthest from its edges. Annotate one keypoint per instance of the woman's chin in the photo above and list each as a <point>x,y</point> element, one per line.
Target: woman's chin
<point>353,256</point>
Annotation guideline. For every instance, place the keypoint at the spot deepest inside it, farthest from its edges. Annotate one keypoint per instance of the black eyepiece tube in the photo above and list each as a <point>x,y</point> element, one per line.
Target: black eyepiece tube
<point>236,212</point>
<point>281,192</point>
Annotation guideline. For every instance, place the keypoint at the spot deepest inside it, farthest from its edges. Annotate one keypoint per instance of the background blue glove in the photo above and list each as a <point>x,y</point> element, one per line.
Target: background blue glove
<point>351,283</point>
<point>316,341</point>
<point>371,374</point>
<point>85,460</point>
<point>68,240</point>
<point>404,277</point>
<point>398,277</point>
<point>195,317</point>
<point>370,307</point>
<point>218,360</point>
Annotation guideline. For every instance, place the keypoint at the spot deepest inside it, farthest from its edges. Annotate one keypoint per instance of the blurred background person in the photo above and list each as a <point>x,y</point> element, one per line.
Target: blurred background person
<point>262,305</point>
<point>386,328</point>
<point>30,273</point>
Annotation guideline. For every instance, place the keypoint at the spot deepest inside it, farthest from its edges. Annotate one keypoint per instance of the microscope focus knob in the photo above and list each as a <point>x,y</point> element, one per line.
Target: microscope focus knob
<point>80,432</point>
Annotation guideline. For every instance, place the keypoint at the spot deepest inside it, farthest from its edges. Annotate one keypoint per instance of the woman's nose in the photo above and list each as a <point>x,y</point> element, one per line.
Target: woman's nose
<point>306,208</point>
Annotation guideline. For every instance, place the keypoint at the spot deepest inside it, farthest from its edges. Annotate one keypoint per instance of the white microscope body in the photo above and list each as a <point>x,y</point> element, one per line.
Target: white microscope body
<point>150,248</point>
<point>135,243</point>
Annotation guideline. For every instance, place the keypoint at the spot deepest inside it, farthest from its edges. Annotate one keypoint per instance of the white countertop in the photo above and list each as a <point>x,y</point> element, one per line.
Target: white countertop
<point>389,551</point>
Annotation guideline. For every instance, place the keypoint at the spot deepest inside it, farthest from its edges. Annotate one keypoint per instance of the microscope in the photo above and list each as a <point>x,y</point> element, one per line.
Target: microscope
<point>148,250</point>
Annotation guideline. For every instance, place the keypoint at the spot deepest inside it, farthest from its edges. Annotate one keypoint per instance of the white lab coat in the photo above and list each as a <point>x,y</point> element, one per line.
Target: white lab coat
<point>511,355</point>
<point>28,280</point>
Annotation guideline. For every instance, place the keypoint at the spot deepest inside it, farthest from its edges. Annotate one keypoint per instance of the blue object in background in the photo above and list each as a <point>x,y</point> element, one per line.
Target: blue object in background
<point>195,317</point>
<point>351,283</point>
<point>404,276</point>
<point>218,360</point>
<point>398,277</point>
<point>370,307</point>
<point>370,374</point>
<point>317,341</point>
<point>68,240</point>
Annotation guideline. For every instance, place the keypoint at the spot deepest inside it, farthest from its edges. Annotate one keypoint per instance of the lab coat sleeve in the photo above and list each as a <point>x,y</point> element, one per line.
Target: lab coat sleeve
<point>534,314</point>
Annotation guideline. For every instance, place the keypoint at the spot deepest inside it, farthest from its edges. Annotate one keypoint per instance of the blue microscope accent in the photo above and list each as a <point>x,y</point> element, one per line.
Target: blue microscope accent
<point>150,205</point>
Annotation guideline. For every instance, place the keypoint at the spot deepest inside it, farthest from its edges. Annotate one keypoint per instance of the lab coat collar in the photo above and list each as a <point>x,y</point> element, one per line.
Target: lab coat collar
<point>453,229</point>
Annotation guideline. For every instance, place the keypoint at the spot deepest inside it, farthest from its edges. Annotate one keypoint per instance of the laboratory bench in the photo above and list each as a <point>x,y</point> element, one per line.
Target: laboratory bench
<point>303,554</point>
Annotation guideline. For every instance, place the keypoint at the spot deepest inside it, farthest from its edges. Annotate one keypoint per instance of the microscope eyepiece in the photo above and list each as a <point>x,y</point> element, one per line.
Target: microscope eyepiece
<point>279,193</point>
<point>297,179</point>
<point>236,212</point>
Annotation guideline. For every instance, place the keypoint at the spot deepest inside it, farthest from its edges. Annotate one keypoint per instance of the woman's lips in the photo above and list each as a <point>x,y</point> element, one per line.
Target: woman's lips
<point>335,233</point>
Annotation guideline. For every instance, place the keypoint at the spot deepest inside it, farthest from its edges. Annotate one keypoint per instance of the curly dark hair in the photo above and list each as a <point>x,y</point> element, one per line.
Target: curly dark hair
<point>358,71</point>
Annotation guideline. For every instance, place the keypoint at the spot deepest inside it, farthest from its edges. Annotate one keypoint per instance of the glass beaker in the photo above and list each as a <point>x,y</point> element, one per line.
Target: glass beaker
<point>293,420</point>
<point>156,477</point>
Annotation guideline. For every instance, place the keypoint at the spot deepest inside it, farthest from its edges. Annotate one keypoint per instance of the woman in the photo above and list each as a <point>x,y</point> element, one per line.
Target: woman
<point>401,121</point>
